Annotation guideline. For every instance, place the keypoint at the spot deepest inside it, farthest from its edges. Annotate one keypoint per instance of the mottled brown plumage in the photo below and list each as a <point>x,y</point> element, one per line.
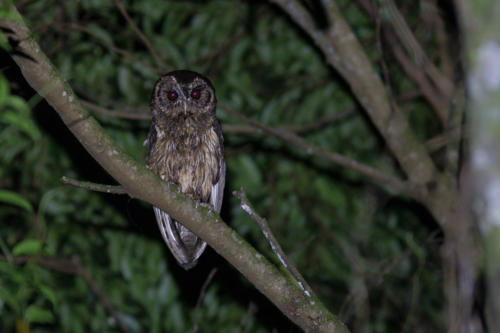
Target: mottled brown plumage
<point>185,146</point>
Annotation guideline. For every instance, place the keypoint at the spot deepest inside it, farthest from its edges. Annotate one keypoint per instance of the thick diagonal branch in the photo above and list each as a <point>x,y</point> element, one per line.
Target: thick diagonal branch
<point>343,51</point>
<point>307,312</point>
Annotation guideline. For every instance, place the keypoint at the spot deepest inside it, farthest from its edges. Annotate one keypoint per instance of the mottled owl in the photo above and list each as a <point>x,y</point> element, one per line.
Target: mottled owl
<point>185,147</point>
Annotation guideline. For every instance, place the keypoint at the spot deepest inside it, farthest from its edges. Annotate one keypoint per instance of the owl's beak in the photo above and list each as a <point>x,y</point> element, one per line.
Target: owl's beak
<point>184,103</point>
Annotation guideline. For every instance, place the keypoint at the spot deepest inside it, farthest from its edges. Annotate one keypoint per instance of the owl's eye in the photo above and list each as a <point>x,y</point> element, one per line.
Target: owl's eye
<point>196,93</point>
<point>172,95</point>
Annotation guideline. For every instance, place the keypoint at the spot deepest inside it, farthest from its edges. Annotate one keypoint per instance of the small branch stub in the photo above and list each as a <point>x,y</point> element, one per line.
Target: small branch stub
<point>113,189</point>
<point>273,242</point>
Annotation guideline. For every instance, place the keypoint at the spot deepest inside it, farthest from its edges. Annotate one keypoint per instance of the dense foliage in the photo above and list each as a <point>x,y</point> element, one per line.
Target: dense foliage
<point>371,257</point>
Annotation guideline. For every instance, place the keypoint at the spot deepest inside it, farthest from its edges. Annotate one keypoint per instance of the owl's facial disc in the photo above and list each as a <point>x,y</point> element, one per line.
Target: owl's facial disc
<point>183,94</point>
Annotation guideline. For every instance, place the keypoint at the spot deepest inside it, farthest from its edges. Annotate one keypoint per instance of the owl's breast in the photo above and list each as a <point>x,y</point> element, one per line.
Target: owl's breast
<point>191,161</point>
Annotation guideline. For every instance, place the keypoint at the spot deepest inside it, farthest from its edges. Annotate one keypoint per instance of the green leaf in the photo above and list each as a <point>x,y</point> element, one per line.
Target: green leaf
<point>4,88</point>
<point>36,314</point>
<point>15,199</point>
<point>250,171</point>
<point>3,42</point>
<point>18,104</point>
<point>21,121</point>
<point>124,80</point>
<point>6,11</point>
<point>8,296</point>
<point>49,293</point>
<point>102,33</point>
<point>28,246</point>
<point>130,322</point>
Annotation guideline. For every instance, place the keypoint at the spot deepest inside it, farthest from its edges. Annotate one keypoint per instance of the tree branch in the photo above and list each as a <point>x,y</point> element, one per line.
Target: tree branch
<point>114,189</point>
<point>273,242</point>
<point>63,28</point>
<point>141,35</point>
<point>117,114</point>
<point>398,29</point>
<point>200,297</point>
<point>306,312</point>
<point>343,52</point>
<point>417,75</point>
<point>413,47</point>
<point>383,179</point>
<point>227,128</point>
<point>81,271</point>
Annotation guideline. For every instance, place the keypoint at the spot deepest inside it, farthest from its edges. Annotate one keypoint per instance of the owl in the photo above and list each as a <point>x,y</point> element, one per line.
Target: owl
<point>185,147</point>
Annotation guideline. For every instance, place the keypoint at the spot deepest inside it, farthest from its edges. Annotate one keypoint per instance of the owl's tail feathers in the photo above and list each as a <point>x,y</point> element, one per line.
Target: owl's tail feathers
<point>184,245</point>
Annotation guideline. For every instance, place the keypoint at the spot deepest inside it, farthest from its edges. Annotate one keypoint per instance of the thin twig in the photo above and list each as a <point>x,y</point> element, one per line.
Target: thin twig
<point>245,321</point>
<point>201,296</point>
<point>206,58</point>
<point>60,265</point>
<point>385,70</point>
<point>117,114</point>
<point>75,267</point>
<point>298,129</point>
<point>80,270</point>
<point>450,137</point>
<point>262,223</point>
<point>446,62</point>
<point>456,131</point>
<point>249,129</point>
<point>414,48</point>
<point>383,179</point>
<point>417,75</point>
<point>376,277</point>
<point>228,128</point>
<point>114,189</point>
<point>113,47</point>
<point>414,71</point>
<point>141,35</point>
<point>320,123</point>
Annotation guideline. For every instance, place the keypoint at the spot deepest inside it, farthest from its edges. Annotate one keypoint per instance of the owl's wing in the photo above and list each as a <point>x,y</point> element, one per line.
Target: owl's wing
<point>184,245</point>
<point>218,186</point>
<point>151,138</point>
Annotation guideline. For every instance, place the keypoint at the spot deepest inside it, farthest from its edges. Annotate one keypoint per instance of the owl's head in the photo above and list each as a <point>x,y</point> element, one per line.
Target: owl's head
<point>184,94</point>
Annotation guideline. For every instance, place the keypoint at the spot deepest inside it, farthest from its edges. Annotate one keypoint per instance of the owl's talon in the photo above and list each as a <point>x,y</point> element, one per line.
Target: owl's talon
<point>203,204</point>
<point>207,205</point>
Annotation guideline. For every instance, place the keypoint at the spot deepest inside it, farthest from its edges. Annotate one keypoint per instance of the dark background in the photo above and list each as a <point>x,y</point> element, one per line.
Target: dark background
<point>372,257</point>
